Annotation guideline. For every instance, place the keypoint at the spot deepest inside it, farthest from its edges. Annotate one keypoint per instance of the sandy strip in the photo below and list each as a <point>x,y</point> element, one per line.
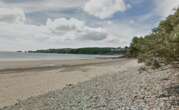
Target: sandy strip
<point>22,79</point>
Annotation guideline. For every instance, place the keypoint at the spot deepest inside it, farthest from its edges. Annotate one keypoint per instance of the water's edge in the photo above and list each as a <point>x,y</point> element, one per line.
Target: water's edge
<point>19,56</point>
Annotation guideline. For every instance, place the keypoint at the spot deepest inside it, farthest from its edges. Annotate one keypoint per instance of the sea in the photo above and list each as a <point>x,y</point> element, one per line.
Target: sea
<point>16,56</point>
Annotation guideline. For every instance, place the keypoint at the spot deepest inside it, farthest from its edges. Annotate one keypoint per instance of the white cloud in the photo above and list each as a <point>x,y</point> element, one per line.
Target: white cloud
<point>12,15</point>
<point>121,33</point>
<point>63,32</point>
<point>104,8</point>
<point>60,32</point>
<point>93,35</point>
<point>42,5</point>
<point>63,25</point>
<point>164,8</point>
<point>75,28</point>
<point>17,34</point>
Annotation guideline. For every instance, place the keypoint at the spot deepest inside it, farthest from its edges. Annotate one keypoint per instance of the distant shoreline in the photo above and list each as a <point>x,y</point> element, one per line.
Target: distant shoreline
<point>85,50</point>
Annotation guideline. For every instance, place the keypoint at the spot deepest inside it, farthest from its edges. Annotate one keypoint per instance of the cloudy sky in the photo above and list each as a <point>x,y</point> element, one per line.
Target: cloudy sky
<point>41,24</point>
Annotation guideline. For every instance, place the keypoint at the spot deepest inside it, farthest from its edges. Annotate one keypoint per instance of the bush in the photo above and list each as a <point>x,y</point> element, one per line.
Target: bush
<point>161,46</point>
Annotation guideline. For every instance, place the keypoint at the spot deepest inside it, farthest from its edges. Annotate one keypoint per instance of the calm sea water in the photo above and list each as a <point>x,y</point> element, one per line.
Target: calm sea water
<point>11,56</point>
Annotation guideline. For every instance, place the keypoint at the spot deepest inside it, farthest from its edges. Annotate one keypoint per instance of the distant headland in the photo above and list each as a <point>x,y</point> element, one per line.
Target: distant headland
<point>85,50</point>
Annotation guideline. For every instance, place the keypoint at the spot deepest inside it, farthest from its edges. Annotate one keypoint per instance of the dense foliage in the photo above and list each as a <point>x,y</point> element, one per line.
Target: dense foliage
<point>161,46</point>
<point>84,51</point>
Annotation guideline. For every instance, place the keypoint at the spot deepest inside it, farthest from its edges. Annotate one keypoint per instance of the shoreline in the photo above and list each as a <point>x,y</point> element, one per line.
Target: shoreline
<point>20,80</point>
<point>90,84</point>
<point>44,65</point>
<point>57,56</point>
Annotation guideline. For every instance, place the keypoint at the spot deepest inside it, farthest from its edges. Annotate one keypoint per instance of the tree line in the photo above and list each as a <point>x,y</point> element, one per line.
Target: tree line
<point>161,46</point>
<point>90,50</point>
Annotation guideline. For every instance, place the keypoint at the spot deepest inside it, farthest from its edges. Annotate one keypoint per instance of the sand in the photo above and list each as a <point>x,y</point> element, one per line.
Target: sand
<point>101,84</point>
<point>20,80</point>
<point>121,84</point>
